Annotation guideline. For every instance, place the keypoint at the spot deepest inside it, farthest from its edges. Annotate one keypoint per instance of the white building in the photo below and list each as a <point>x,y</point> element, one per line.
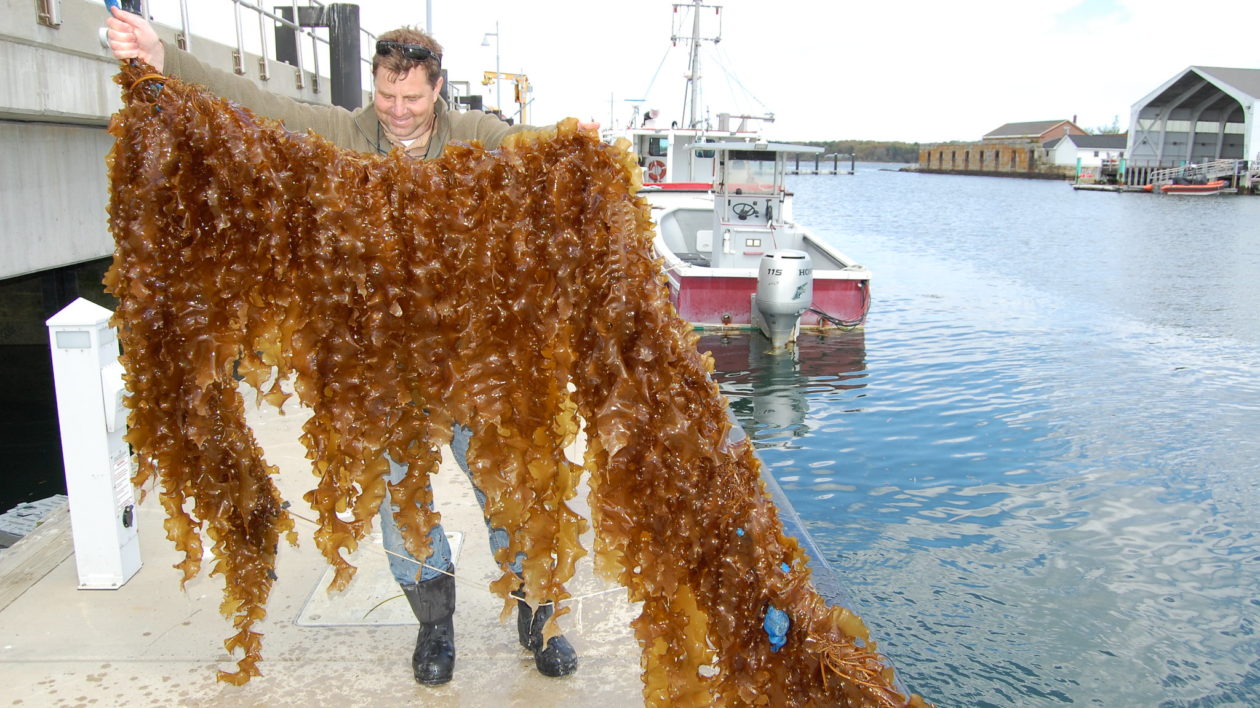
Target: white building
<point>1086,151</point>
<point>1202,114</point>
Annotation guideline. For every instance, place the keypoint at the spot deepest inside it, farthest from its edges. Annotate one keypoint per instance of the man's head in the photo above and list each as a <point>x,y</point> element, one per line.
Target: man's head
<point>401,50</point>
<point>407,77</point>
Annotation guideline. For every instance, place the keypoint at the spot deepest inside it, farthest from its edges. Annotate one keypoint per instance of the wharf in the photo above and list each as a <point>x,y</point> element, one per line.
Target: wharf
<point>1131,188</point>
<point>149,643</point>
<point>820,167</point>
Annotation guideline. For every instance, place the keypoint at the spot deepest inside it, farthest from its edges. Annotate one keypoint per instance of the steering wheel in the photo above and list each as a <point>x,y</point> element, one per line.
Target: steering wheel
<point>743,210</point>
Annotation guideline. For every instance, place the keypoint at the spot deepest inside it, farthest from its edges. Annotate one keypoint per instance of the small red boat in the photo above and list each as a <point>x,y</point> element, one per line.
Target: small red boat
<point>1213,187</point>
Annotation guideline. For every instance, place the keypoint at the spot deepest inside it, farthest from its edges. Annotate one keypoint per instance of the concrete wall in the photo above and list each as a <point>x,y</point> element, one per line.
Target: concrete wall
<point>54,195</point>
<point>1005,158</point>
<point>65,74</point>
<point>57,94</point>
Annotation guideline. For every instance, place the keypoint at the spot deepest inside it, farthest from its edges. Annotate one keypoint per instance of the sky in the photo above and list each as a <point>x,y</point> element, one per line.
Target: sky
<point>899,70</point>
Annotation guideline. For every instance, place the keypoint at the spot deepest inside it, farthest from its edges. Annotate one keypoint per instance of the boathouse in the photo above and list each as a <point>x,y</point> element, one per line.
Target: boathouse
<point>1203,114</point>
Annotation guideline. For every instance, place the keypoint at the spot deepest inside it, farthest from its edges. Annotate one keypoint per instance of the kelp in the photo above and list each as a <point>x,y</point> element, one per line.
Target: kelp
<point>510,290</point>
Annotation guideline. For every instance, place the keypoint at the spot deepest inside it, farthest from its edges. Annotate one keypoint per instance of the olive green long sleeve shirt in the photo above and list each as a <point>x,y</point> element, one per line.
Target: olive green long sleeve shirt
<point>359,129</point>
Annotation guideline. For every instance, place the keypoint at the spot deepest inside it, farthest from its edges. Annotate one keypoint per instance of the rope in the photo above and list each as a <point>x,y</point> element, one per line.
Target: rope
<point>720,58</point>
<point>656,73</point>
<point>147,77</point>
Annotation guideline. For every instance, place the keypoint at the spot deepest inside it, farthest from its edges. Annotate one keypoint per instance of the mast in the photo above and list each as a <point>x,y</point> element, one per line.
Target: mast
<point>693,68</point>
<point>692,94</point>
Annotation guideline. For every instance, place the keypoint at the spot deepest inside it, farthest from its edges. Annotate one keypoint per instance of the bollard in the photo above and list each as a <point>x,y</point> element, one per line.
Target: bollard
<point>89,383</point>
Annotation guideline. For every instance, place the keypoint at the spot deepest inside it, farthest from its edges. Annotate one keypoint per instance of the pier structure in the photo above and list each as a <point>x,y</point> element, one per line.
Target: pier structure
<point>1238,174</point>
<point>151,641</point>
<point>56,100</point>
<point>820,165</point>
<point>155,641</point>
<point>55,107</point>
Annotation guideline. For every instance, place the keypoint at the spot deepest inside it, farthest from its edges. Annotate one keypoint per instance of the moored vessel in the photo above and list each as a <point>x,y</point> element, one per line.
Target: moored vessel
<point>1216,186</point>
<point>734,255</point>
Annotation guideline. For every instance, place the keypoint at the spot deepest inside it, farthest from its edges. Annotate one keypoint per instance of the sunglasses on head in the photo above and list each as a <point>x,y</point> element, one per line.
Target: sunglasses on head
<point>414,52</point>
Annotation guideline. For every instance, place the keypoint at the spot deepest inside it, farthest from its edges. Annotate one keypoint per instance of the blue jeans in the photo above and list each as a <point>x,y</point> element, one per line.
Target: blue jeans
<point>401,563</point>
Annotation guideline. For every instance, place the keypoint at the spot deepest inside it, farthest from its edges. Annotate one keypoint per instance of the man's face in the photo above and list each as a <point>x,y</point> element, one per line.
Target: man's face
<point>404,104</point>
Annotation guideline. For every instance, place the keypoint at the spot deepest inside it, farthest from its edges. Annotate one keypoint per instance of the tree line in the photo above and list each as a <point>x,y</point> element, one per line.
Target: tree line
<point>869,150</point>
<point>893,151</point>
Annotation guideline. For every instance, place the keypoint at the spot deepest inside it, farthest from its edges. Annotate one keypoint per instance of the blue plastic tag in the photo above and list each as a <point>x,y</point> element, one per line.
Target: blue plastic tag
<point>776,625</point>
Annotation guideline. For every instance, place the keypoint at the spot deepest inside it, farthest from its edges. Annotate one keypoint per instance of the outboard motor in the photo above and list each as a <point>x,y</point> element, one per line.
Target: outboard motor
<point>785,289</point>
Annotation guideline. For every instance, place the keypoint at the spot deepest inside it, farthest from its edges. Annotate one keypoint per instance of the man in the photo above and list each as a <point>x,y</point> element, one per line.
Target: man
<point>409,113</point>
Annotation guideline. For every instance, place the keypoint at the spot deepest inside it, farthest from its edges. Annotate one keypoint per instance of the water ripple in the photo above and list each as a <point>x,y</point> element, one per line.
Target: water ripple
<point>1037,467</point>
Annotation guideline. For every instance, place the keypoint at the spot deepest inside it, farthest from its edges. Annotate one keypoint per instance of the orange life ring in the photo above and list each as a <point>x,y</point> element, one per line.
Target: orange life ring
<point>656,170</point>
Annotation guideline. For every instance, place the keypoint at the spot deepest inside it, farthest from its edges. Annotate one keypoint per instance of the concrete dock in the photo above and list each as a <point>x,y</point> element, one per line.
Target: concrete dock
<point>149,643</point>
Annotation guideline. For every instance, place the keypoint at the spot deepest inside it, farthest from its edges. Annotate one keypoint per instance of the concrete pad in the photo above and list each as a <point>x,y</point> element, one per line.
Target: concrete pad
<point>149,643</point>
<point>373,596</point>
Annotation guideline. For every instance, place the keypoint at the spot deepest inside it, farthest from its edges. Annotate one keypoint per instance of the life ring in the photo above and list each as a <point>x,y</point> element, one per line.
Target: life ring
<point>656,170</point>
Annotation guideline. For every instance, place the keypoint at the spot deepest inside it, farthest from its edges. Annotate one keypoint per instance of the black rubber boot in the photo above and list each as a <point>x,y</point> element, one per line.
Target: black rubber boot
<point>433,601</point>
<point>557,658</point>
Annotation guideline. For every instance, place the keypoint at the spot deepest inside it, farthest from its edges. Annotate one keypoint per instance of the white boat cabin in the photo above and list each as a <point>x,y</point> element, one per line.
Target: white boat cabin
<point>669,155</point>
<point>746,215</point>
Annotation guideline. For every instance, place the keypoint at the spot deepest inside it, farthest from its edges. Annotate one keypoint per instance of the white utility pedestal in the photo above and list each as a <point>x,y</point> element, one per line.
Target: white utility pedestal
<point>89,381</point>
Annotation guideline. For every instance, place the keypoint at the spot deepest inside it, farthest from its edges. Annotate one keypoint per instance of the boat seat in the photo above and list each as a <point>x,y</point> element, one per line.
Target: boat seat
<point>695,259</point>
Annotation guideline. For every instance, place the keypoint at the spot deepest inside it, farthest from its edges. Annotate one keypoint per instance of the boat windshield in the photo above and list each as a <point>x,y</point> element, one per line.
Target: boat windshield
<point>750,171</point>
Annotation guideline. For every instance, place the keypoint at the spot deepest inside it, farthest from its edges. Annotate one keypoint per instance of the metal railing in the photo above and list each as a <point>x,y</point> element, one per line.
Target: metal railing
<point>1205,171</point>
<point>309,45</point>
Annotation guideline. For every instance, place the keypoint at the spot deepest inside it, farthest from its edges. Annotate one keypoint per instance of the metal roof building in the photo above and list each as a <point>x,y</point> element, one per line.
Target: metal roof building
<point>1037,131</point>
<point>1202,114</point>
<point>1096,142</point>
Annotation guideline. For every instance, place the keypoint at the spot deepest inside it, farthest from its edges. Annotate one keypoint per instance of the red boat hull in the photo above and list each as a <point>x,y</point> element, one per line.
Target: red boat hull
<point>727,301</point>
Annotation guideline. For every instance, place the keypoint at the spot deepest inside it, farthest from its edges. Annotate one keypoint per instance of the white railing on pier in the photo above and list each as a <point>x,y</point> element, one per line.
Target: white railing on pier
<point>205,21</point>
<point>1205,171</point>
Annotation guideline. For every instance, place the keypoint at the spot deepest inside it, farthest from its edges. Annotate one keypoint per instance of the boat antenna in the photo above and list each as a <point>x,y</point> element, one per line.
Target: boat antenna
<point>692,90</point>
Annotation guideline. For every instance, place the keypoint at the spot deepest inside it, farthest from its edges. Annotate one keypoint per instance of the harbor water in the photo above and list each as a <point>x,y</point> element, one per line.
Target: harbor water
<point>1037,470</point>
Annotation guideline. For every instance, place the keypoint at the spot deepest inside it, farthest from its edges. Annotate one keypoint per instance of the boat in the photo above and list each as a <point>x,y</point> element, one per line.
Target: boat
<point>1216,186</point>
<point>733,255</point>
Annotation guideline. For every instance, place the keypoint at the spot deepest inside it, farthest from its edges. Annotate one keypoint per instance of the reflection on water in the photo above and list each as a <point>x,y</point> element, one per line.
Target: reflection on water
<point>768,391</point>
<point>1037,474</point>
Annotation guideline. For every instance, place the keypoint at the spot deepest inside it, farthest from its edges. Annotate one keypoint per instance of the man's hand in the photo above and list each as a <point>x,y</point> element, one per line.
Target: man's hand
<point>132,37</point>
